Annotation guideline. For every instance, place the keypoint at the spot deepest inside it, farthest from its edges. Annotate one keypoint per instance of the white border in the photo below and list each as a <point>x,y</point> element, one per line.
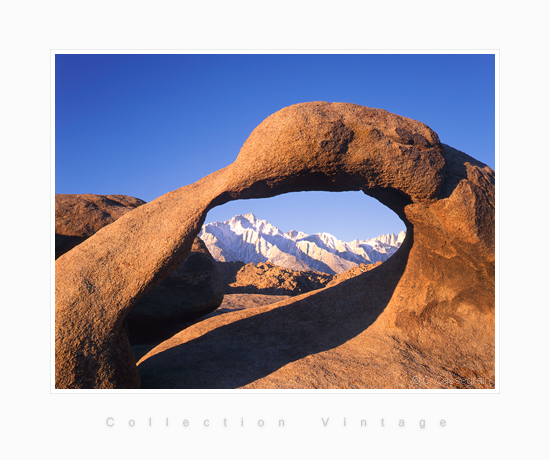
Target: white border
<point>496,390</point>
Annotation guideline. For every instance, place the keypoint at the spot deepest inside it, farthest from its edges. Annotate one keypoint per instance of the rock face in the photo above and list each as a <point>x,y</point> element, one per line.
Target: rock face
<point>424,318</point>
<point>193,290</point>
<point>352,272</point>
<point>77,217</point>
<point>234,302</point>
<point>266,278</point>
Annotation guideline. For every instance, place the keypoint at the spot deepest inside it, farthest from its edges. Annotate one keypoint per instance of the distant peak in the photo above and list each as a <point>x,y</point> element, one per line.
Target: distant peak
<point>295,234</point>
<point>324,236</point>
<point>249,216</point>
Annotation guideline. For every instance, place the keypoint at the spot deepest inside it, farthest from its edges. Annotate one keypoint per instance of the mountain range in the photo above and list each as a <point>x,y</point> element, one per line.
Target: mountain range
<point>248,239</point>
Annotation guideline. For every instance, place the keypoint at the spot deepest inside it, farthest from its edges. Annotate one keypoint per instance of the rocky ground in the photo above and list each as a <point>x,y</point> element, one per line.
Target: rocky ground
<point>249,286</point>
<point>267,278</point>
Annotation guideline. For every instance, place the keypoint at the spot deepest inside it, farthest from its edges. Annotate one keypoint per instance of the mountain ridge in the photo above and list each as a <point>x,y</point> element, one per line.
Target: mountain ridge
<point>248,239</point>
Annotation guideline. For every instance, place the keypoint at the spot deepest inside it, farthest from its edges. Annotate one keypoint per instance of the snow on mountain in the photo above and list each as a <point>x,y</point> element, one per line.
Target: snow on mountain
<point>251,240</point>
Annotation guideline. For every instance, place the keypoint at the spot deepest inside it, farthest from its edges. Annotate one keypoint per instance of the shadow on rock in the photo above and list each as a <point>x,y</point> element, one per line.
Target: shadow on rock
<point>238,353</point>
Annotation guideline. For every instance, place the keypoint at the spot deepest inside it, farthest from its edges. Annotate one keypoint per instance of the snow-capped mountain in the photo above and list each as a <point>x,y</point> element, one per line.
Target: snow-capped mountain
<point>251,240</point>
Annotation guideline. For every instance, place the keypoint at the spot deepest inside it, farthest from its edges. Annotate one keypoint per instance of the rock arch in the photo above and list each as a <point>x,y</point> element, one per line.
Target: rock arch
<point>440,286</point>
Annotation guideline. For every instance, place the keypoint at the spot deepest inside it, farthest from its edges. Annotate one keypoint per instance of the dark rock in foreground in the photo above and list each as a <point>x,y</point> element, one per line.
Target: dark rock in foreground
<point>193,290</point>
<point>231,303</point>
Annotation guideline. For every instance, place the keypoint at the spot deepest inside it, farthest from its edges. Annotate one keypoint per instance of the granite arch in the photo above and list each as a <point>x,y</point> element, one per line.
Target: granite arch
<point>441,285</point>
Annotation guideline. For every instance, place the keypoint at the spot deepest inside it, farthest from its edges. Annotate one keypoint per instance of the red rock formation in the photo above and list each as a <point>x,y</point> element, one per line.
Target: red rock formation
<point>427,312</point>
<point>267,278</point>
<point>351,273</point>
<point>77,217</point>
<point>193,290</point>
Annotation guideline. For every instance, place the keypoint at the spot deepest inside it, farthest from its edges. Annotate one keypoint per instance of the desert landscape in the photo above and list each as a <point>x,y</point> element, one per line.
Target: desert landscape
<point>148,296</point>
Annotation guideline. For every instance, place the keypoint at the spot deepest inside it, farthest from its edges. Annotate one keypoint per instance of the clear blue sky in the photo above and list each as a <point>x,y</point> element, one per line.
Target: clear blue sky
<point>143,125</point>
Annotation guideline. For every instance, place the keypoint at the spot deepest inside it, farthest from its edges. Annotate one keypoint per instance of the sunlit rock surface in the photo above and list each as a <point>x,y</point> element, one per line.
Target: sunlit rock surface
<point>423,319</point>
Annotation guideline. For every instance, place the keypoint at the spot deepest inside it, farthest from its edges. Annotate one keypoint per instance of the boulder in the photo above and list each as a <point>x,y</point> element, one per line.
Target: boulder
<point>423,319</point>
<point>270,279</point>
<point>77,217</point>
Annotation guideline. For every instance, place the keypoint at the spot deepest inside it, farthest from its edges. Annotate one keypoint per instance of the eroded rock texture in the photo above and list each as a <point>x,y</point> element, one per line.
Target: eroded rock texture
<point>352,272</point>
<point>77,217</point>
<point>266,278</point>
<point>193,290</point>
<point>424,318</point>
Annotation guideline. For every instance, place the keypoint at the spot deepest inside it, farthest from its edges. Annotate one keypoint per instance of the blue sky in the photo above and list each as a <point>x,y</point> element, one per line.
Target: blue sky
<point>145,124</point>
